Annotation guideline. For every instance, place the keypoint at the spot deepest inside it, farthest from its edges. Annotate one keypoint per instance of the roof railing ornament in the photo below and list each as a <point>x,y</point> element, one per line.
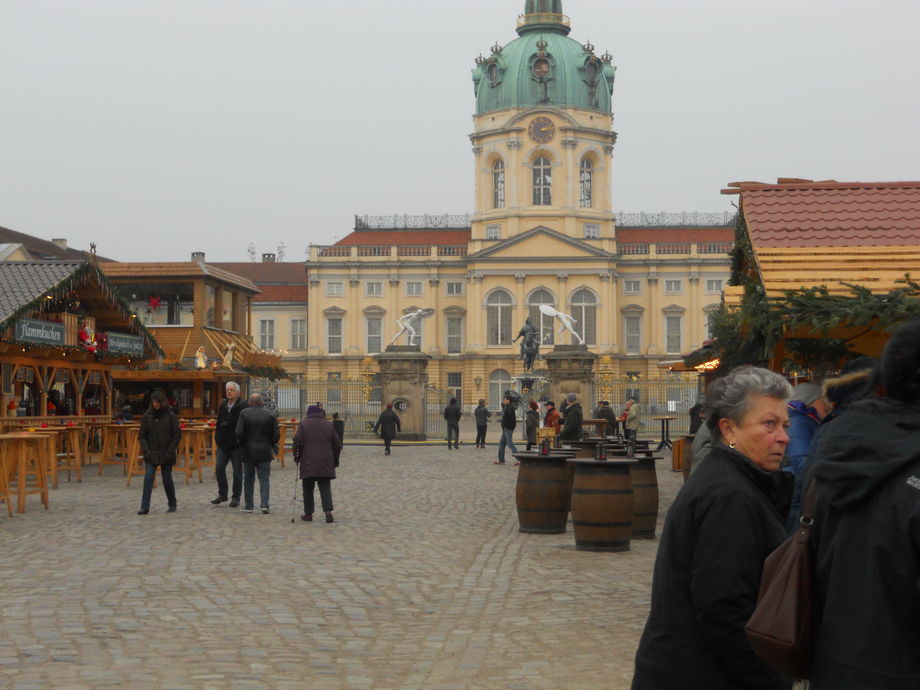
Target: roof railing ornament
<point>589,47</point>
<point>607,57</point>
<point>496,49</point>
<point>480,59</point>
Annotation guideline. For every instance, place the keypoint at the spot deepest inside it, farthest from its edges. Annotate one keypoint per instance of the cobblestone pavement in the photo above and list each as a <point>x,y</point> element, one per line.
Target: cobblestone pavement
<point>423,581</point>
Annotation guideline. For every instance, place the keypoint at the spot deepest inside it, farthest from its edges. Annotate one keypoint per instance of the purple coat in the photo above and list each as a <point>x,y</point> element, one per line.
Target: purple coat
<point>316,447</point>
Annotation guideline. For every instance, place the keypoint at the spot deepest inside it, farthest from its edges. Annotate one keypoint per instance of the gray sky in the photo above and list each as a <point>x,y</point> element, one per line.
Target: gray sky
<point>159,127</point>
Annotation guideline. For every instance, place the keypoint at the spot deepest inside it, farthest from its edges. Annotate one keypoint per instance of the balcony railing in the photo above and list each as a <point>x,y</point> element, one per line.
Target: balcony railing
<point>672,248</point>
<point>335,250</point>
<point>633,248</point>
<point>452,250</point>
<point>684,219</point>
<point>714,247</point>
<point>373,250</point>
<point>413,250</point>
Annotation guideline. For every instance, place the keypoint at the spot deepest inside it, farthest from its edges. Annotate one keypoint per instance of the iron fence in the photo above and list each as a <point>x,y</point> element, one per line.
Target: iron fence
<point>670,396</point>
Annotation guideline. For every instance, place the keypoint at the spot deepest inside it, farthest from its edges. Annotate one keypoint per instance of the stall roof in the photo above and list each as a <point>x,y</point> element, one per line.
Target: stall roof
<point>175,269</point>
<point>25,285</point>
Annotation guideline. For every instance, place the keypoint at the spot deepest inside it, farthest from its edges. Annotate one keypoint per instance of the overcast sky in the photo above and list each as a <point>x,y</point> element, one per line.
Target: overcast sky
<point>159,127</point>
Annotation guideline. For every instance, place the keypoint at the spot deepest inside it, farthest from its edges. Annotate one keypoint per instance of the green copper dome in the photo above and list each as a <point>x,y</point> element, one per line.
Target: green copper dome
<point>544,67</point>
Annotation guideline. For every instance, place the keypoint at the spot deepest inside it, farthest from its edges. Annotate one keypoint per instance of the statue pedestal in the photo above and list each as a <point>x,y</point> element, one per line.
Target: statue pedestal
<point>403,375</point>
<point>571,370</point>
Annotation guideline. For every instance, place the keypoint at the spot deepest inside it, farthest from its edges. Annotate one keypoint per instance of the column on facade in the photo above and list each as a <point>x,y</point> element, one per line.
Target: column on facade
<point>314,318</point>
<point>354,319</point>
<point>390,328</point>
<point>654,315</point>
<point>693,327</point>
<point>475,333</point>
<point>562,292</point>
<point>515,177</point>
<point>520,297</point>
<point>436,324</point>
<point>607,311</point>
<point>569,146</point>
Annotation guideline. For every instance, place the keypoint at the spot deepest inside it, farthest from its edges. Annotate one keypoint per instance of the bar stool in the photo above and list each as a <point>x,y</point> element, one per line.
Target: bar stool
<point>70,459</point>
<point>23,452</point>
<point>191,446</point>
<point>115,449</point>
<point>136,464</point>
<point>207,448</point>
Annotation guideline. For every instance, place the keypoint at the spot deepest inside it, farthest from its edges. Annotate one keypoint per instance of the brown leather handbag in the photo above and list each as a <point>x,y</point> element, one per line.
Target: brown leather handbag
<point>783,628</point>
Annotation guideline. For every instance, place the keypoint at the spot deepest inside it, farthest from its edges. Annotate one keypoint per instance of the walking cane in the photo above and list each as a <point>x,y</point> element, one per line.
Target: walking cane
<point>294,499</point>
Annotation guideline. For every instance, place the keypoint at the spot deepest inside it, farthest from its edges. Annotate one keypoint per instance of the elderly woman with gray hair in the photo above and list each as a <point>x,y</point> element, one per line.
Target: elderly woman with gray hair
<point>722,525</point>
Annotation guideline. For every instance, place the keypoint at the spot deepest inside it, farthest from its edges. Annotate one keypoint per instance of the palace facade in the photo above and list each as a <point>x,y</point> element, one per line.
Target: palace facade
<point>543,231</point>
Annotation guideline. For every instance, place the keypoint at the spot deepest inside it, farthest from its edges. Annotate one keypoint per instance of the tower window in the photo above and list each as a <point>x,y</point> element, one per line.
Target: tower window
<point>493,232</point>
<point>542,182</point>
<point>586,184</point>
<point>592,231</point>
<point>498,184</point>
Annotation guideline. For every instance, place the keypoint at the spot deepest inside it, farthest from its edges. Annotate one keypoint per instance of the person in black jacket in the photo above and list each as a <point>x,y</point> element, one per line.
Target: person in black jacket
<point>159,438</point>
<point>604,411</point>
<point>509,422</point>
<point>257,430</point>
<point>387,424</point>
<point>228,445</point>
<point>721,526</point>
<point>481,414</point>
<point>452,417</point>
<point>571,426</point>
<point>866,532</point>
<point>337,424</point>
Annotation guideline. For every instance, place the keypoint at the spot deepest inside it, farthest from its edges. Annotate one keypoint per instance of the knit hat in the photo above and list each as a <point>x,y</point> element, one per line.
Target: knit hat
<point>571,397</point>
<point>314,409</point>
<point>806,393</point>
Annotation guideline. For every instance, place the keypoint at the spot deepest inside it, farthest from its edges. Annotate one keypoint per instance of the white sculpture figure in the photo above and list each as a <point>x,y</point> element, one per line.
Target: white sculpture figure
<point>408,322</point>
<point>568,323</point>
<point>201,358</point>
<point>227,362</point>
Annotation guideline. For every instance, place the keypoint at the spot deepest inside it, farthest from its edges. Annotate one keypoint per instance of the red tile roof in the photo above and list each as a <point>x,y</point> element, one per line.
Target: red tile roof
<point>638,235</point>
<point>832,214</point>
<point>403,237</point>
<point>266,271</point>
<point>282,293</point>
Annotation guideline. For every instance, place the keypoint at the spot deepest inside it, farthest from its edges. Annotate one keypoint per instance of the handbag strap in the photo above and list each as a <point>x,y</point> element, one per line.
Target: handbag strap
<point>807,520</point>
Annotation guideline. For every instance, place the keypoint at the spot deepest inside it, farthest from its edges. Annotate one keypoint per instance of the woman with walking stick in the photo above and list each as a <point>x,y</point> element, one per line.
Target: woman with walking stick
<point>316,451</point>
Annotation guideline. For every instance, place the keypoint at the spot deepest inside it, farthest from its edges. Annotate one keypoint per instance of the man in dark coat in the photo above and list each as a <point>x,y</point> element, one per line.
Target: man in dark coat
<point>481,414</point>
<point>571,428</point>
<point>228,445</point>
<point>452,417</point>
<point>509,422</point>
<point>604,411</point>
<point>316,448</point>
<point>257,430</point>
<point>387,424</point>
<point>337,424</point>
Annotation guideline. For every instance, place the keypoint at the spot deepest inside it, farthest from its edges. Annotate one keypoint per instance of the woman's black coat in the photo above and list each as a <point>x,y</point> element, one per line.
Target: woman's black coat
<point>720,528</point>
<point>159,436</point>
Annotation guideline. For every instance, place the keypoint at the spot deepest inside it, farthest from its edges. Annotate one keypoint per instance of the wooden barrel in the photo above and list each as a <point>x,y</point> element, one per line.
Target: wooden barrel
<point>602,505</point>
<point>645,499</point>
<point>542,493</point>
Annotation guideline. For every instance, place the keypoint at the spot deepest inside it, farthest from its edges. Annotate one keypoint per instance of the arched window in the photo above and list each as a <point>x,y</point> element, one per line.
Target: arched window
<point>498,184</point>
<point>499,382</point>
<point>586,183</point>
<point>498,317</point>
<point>542,182</point>
<point>542,321</point>
<point>584,310</point>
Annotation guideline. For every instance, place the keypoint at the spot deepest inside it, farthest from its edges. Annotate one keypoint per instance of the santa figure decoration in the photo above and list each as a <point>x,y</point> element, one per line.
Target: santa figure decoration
<point>87,337</point>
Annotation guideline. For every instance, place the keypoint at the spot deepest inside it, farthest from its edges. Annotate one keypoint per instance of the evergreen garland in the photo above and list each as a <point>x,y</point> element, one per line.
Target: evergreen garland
<point>749,334</point>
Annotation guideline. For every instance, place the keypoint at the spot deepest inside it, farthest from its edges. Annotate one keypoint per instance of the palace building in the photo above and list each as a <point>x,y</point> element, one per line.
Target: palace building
<point>543,231</point>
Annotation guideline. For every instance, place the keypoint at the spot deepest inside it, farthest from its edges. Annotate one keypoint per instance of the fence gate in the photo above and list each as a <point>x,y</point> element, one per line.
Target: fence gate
<point>670,396</point>
<point>435,400</point>
<point>358,401</point>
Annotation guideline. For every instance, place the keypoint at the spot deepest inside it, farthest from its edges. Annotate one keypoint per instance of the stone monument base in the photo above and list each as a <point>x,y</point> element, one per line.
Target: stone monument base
<point>571,370</point>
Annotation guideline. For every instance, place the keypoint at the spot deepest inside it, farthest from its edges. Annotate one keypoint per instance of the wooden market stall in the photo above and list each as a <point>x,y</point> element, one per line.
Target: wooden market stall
<point>201,315</point>
<point>822,272</point>
<point>64,328</point>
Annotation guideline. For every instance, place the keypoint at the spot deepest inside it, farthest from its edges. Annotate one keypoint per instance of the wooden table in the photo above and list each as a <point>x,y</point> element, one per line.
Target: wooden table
<point>22,455</point>
<point>665,428</point>
<point>543,493</point>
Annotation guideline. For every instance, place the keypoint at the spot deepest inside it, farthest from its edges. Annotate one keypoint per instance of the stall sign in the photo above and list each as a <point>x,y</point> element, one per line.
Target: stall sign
<point>35,331</point>
<point>128,344</point>
<point>25,374</point>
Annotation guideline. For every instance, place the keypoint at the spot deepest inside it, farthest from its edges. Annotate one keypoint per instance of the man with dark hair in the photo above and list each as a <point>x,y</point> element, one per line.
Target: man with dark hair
<point>509,422</point>
<point>229,449</point>
<point>482,414</point>
<point>452,417</point>
<point>257,430</point>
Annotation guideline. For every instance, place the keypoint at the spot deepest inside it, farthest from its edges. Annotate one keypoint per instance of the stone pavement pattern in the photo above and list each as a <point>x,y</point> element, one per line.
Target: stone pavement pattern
<point>423,581</point>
